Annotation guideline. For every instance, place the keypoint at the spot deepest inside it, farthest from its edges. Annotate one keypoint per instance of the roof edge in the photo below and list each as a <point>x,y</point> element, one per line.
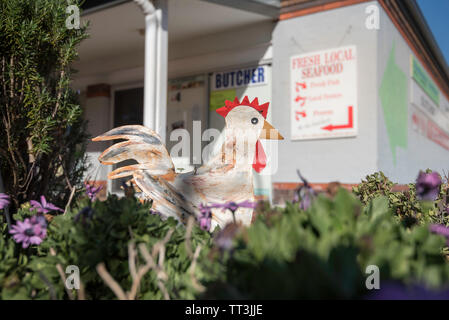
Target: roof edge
<point>427,34</point>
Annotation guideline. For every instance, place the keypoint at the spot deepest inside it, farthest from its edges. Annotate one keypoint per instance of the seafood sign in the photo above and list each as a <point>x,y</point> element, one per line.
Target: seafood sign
<point>323,94</point>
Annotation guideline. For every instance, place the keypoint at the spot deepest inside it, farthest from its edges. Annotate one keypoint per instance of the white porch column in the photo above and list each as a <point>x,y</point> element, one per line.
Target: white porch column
<point>162,68</point>
<point>156,59</point>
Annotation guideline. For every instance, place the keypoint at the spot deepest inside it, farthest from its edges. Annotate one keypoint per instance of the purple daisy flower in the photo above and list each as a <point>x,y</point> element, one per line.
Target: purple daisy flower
<point>441,230</point>
<point>40,219</point>
<point>4,201</point>
<point>44,206</point>
<point>205,218</point>
<point>92,191</point>
<point>304,195</point>
<point>30,231</point>
<point>428,185</point>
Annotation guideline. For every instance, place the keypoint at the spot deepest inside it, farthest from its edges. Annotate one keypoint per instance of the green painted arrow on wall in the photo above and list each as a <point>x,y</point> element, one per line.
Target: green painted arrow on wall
<point>393,97</point>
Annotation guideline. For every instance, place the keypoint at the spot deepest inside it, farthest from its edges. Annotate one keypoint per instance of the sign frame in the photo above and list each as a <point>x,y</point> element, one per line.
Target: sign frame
<point>323,94</point>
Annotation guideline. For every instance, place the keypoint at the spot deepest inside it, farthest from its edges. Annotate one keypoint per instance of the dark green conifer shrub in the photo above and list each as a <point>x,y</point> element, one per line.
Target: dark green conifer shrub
<point>42,133</point>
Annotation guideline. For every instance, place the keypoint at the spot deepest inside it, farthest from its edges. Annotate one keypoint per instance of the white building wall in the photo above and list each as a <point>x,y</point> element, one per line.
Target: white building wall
<point>343,159</point>
<point>415,152</point>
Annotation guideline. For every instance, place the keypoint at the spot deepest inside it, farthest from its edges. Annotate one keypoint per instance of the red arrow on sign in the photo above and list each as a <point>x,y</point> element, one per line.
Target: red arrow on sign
<point>349,125</point>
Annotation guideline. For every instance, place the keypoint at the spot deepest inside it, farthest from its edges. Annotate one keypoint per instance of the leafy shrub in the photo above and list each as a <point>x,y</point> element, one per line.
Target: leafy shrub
<point>42,133</point>
<point>13,267</point>
<point>405,204</point>
<point>86,239</point>
<point>375,185</point>
<point>323,252</point>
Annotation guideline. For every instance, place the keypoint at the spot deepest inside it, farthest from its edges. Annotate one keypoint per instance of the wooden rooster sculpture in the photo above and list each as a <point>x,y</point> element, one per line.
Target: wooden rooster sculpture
<point>226,177</point>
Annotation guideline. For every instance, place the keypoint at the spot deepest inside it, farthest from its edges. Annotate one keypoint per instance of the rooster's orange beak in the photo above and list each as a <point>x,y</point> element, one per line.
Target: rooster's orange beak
<point>269,132</point>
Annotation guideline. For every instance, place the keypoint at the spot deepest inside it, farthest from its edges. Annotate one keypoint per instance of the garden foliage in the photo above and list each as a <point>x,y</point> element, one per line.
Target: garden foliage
<point>321,252</point>
<point>405,203</point>
<point>41,128</point>
<point>100,233</point>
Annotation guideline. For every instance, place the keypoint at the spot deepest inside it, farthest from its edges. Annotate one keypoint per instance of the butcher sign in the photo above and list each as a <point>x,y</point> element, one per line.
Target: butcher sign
<point>324,94</point>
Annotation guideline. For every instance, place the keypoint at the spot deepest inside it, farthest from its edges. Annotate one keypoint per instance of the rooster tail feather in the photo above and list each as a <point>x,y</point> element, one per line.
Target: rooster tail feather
<point>131,132</point>
<point>153,172</point>
<point>142,145</point>
<point>166,199</point>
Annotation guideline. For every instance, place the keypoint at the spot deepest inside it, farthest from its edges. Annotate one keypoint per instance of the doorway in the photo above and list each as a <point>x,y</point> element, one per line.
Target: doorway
<point>128,110</point>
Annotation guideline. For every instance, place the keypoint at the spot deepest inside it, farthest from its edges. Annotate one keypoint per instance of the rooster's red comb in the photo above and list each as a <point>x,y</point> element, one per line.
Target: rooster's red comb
<point>229,105</point>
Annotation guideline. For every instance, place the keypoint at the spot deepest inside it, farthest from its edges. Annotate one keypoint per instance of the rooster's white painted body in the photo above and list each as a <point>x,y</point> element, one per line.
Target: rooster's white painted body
<point>226,177</point>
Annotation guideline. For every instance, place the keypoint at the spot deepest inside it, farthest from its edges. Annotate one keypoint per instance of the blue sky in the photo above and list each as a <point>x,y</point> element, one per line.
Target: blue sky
<point>436,13</point>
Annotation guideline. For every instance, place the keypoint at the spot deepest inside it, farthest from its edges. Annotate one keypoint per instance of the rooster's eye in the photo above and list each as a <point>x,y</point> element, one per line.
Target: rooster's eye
<point>254,120</point>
